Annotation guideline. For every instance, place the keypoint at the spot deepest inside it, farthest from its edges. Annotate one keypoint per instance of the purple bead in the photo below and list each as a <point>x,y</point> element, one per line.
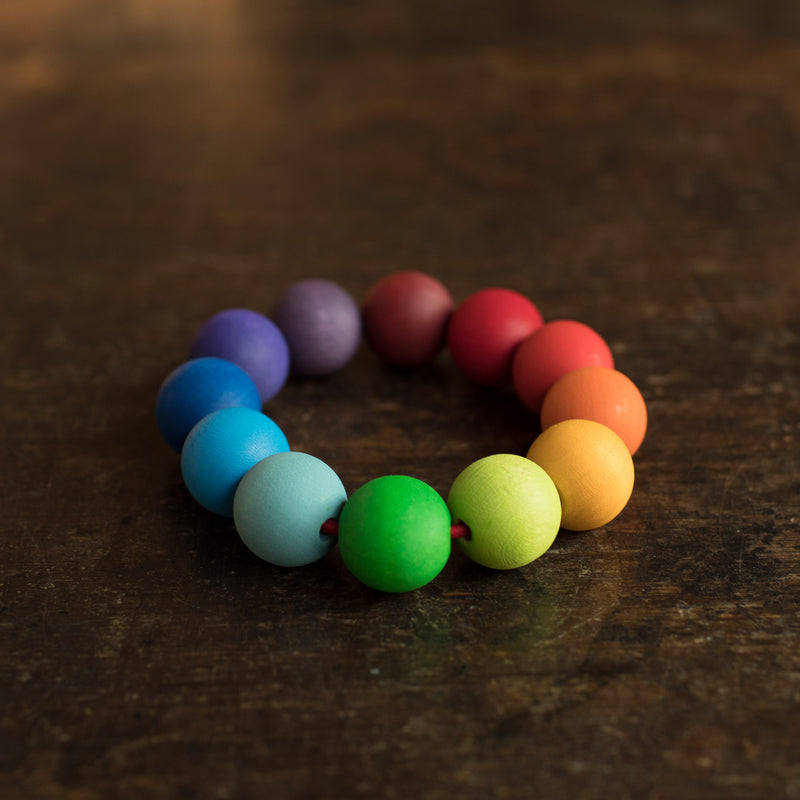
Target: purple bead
<point>321,323</point>
<point>250,340</point>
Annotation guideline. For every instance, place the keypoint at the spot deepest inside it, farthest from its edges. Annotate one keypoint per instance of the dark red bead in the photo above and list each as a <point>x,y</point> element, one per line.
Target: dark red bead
<point>405,318</point>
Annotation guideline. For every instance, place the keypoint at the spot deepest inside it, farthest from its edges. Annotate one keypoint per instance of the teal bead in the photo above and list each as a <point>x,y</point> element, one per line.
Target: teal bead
<point>394,533</point>
<point>281,504</point>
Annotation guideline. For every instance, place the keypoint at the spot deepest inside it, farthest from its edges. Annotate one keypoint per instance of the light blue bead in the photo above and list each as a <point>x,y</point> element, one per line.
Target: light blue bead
<point>281,504</point>
<point>197,388</point>
<point>221,448</point>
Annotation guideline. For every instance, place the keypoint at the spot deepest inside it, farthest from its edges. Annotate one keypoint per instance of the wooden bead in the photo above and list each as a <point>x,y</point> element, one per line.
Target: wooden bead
<point>195,389</point>
<point>394,533</point>
<point>511,507</point>
<point>250,340</point>
<point>486,329</point>
<point>281,504</point>
<point>219,451</point>
<point>602,394</point>
<point>553,350</point>
<point>591,468</point>
<point>405,318</point>
<point>322,325</point>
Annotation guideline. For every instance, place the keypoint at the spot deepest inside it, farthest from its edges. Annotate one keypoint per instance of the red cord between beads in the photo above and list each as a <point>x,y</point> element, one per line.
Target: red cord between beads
<point>458,530</point>
<point>330,527</point>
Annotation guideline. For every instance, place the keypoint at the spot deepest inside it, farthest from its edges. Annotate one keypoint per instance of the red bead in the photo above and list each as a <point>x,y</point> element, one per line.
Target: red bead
<point>486,329</point>
<point>555,349</point>
<point>405,318</point>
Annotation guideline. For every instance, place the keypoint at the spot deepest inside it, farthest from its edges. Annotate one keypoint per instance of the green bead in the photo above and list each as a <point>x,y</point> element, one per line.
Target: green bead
<point>512,509</point>
<point>394,533</point>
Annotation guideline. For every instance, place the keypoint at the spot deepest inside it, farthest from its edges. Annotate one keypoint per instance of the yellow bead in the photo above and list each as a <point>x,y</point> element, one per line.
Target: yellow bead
<point>591,468</point>
<point>511,508</point>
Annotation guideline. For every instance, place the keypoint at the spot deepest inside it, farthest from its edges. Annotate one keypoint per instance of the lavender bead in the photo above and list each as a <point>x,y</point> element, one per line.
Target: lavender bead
<point>250,340</point>
<point>322,325</point>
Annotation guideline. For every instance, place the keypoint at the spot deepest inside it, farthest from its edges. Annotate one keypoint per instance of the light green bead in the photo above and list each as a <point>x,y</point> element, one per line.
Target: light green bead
<point>394,533</point>
<point>512,509</point>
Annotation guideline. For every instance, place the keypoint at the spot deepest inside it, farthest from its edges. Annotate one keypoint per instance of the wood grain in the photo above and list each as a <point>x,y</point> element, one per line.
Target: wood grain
<point>633,166</point>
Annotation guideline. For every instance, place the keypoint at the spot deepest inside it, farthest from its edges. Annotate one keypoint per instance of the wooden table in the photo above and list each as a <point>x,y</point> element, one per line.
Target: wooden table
<point>635,166</point>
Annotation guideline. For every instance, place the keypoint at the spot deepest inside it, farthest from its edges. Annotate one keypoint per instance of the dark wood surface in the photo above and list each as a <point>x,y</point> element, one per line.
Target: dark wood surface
<point>635,165</point>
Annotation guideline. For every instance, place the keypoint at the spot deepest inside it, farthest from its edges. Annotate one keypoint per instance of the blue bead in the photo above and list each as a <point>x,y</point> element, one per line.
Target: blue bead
<point>221,448</point>
<point>195,389</point>
<point>281,504</point>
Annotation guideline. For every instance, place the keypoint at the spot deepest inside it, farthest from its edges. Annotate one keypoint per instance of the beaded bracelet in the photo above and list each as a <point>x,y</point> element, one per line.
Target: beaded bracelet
<point>395,532</point>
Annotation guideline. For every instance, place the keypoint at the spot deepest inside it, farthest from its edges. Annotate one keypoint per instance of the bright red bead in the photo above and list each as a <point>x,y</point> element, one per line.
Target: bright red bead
<point>555,349</point>
<point>405,318</point>
<point>486,329</point>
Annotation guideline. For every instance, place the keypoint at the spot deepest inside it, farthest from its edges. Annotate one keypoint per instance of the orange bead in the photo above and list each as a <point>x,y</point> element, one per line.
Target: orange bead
<point>591,469</point>
<point>602,394</point>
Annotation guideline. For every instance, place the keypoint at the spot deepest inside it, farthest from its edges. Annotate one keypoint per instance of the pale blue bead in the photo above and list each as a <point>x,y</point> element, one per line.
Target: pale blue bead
<point>281,504</point>
<point>219,451</point>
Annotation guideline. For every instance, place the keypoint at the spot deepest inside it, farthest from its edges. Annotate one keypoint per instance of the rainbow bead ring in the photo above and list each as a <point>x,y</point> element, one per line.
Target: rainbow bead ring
<point>395,532</point>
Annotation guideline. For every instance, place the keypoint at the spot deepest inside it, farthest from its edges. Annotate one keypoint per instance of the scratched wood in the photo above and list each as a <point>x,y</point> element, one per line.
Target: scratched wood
<point>634,166</point>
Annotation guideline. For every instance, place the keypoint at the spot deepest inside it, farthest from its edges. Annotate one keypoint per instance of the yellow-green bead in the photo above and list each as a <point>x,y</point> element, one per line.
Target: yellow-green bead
<point>511,507</point>
<point>394,533</point>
